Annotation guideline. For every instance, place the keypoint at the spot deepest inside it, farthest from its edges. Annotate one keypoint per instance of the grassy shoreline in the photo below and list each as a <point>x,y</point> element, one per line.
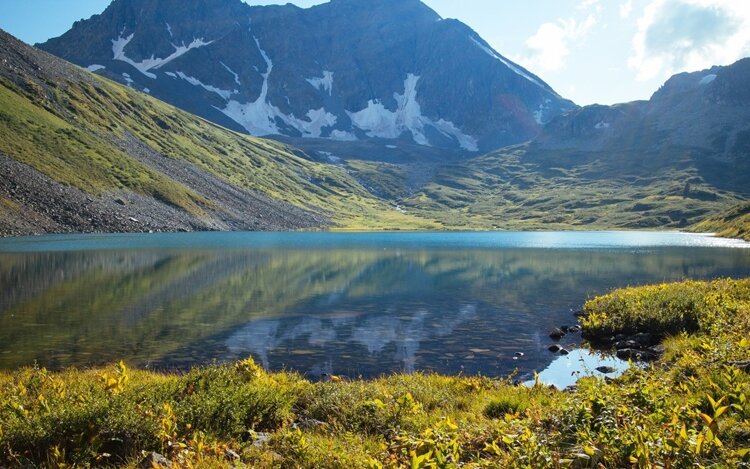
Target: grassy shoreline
<point>689,408</point>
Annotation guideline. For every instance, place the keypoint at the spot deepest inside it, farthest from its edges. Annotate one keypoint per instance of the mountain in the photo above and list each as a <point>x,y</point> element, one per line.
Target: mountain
<point>671,161</point>
<point>343,71</point>
<point>79,153</point>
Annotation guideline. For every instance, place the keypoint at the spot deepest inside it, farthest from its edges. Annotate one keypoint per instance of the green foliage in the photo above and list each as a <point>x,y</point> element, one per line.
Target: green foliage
<point>510,403</point>
<point>526,188</point>
<point>733,223</point>
<point>669,308</point>
<point>690,409</point>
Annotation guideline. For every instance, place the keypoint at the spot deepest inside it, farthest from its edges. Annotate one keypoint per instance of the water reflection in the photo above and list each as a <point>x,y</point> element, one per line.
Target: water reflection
<point>353,310</point>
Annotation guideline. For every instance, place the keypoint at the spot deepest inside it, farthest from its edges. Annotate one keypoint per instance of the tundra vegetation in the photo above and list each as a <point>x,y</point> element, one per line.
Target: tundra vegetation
<point>688,409</point>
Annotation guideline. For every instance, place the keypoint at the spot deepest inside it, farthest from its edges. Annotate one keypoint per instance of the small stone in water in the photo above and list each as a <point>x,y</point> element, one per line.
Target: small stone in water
<point>556,334</point>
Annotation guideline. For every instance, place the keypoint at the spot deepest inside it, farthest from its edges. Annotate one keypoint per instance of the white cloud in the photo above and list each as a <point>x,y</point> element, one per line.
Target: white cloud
<point>549,47</point>
<point>626,9</point>
<point>688,35</point>
<point>585,4</point>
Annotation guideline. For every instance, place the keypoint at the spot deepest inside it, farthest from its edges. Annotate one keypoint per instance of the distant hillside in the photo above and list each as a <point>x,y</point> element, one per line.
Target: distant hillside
<point>79,153</point>
<point>669,162</point>
<point>733,223</point>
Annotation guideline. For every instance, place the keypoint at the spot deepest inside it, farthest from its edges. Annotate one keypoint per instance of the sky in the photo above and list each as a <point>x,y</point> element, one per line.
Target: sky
<point>589,51</point>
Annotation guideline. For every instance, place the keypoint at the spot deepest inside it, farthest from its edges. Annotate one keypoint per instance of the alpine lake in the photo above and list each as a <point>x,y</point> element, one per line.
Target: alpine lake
<point>357,305</point>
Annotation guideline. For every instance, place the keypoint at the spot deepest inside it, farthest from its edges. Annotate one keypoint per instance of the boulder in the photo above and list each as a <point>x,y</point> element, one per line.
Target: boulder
<point>636,354</point>
<point>623,344</point>
<point>154,460</point>
<point>556,334</point>
<point>231,455</point>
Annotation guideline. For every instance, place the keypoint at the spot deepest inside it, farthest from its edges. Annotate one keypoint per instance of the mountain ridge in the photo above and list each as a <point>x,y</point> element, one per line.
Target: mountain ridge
<point>399,71</point>
<point>669,162</point>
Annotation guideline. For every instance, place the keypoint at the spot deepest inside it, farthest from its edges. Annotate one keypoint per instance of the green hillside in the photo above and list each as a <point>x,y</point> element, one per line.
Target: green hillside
<point>733,223</point>
<point>525,187</point>
<point>103,139</point>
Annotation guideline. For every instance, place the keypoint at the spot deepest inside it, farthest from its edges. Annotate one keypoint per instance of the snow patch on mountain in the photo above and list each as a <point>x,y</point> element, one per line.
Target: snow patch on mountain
<point>127,78</point>
<point>260,117</point>
<point>169,30</point>
<point>325,83</point>
<point>602,125</point>
<point>225,94</point>
<point>449,129</point>
<point>539,114</point>
<point>95,67</point>
<point>318,119</point>
<point>508,64</point>
<point>118,53</point>
<point>379,122</point>
<point>707,79</point>
<point>342,136</point>
<point>234,74</point>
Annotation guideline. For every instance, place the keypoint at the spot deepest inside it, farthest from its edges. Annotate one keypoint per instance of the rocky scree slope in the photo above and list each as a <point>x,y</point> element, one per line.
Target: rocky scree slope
<point>343,71</point>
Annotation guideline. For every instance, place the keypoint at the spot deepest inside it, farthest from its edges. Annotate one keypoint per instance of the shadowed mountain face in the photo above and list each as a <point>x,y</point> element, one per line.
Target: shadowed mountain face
<point>706,110</point>
<point>701,119</point>
<point>346,70</point>
<point>671,161</point>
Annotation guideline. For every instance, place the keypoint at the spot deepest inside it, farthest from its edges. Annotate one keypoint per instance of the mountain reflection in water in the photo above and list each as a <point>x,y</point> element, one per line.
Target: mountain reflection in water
<point>361,309</point>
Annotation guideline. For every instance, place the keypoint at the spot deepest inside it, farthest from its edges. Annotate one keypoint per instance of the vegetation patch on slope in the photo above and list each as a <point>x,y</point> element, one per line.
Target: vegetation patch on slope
<point>733,223</point>
<point>526,188</point>
<point>104,139</point>
<point>688,409</point>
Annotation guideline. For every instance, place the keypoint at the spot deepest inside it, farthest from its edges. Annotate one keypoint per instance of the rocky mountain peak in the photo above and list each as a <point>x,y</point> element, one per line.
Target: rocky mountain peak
<point>347,70</point>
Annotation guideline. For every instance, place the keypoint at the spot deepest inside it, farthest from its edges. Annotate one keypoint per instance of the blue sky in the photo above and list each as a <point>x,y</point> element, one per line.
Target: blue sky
<point>590,51</point>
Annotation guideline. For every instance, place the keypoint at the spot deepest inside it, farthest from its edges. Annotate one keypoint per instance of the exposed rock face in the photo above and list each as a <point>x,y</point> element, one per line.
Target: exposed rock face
<point>346,70</point>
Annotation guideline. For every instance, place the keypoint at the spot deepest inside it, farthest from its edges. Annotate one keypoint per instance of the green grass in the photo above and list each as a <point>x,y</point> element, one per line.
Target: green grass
<point>690,409</point>
<point>524,188</point>
<point>668,309</point>
<point>733,223</point>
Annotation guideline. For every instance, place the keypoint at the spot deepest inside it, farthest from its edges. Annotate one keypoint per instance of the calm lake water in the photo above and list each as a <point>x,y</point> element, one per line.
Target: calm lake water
<point>350,304</point>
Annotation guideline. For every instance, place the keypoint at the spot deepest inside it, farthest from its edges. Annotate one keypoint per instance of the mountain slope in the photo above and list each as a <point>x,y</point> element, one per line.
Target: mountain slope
<point>345,70</point>
<point>672,161</point>
<point>733,223</point>
<point>79,153</point>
